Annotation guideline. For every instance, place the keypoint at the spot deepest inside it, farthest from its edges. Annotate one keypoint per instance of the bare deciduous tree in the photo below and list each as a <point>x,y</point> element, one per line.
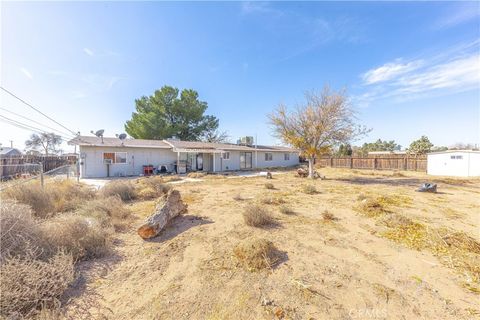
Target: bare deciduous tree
<point>47,142</point>
<point>215,136</point>
<point>325,120</point>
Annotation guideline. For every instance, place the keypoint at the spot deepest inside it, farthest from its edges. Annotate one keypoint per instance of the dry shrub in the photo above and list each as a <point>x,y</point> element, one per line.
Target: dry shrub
<point>272,200</point>
<point>33,195</point>
<point>257,216</point>
<point>328,216</point>
<point>256,254</point>
<point>309,189</point>
<point>82,237</point>
<point>151,188</point>
<point>122,188</point>
<point>196,175</point>
<point>269,186</point>
<point>109,212</point>
<point>29,283</point>
<point>361,197</point>
<point>18,229</point>
<point>397,174</point>
<point>286,209</point>
<point>68,194</point>
<point>57,196</point>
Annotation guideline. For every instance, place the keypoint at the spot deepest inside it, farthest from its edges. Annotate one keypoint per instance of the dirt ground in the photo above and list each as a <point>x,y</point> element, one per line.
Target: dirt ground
<point>340,269</point>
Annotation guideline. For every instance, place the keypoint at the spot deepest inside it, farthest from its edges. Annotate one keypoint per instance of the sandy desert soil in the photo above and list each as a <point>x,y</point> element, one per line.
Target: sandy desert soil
<point>340,269</point>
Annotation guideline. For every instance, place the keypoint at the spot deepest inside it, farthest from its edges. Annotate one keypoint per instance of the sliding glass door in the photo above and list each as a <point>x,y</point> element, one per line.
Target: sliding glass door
<point>245,160</point>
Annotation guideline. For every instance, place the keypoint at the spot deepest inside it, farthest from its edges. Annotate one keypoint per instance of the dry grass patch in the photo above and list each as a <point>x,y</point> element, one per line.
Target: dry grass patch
<point>257,216</point>
<point>256,254</point>
<point>151,188</point>
<point>454,249</point>
<point>29,283</point>
<point>309,189</point>
<point>286,209</point>
<point>18,229</point>
<point>110,212</point>
<point>56,196</point>
<point>328,216</point>
<point>272,200</point>
<point>84,238</point>
<point>269,186</point>
<point>196,175</point>
<point>125,189</point>
<point>371,208</point>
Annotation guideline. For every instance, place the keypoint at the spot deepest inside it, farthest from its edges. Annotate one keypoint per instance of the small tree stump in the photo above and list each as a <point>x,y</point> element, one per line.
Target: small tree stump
<point>162,215</point>
<point>269,175</point>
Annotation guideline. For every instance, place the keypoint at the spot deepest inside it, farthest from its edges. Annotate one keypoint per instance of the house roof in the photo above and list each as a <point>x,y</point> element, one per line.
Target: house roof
<point>170,143</point>
<point>115,142</point>
<point>4,151</point>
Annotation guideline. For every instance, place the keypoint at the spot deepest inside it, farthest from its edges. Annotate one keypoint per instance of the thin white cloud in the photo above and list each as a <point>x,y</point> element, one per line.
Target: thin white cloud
<point>458,70</point>
<point>389,71</point>
<point>465,12</point>
<point>26,73</point>
<point>88,52</point>
<point>257,7</point>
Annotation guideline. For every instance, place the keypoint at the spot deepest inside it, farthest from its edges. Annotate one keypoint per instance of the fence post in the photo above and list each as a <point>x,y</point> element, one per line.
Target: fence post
<point>375,163</point>
<point>405,163</point>
<point>416,163</point>
<point>331,162</point>
<point>41,175</point>
<point>351,162</point>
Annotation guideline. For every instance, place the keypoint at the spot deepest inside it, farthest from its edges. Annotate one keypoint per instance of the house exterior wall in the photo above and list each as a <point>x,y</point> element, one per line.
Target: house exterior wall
<point>92,165</point>
<point>449,164</point>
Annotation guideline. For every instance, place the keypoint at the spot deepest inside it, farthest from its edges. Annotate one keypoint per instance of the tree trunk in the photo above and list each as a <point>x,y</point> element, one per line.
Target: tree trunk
<point>162,215</point>
<point>310,168</point>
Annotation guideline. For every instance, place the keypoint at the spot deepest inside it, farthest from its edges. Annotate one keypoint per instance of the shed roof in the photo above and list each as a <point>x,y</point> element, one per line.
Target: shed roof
<point>4,151</point>
<point>454,151</point>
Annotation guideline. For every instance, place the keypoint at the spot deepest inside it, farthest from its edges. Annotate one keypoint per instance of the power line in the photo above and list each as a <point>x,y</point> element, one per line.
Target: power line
<point>25,126</point>
<point>43,125</point>
<point>28,104</point>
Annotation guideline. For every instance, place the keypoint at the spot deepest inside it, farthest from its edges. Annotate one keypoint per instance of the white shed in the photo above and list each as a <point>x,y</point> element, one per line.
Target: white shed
<point>457,163</point>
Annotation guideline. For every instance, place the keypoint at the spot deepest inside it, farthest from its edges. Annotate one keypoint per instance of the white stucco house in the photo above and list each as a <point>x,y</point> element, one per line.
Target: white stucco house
<point>458,163</point>
<point>111,157</point>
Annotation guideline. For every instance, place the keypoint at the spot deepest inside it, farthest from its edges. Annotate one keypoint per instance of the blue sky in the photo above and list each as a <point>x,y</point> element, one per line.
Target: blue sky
<point>411,69</point>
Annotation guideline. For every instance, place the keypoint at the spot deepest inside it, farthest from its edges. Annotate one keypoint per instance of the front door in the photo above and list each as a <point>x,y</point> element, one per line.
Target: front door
<point>245,160</point>
<point>199,161</point>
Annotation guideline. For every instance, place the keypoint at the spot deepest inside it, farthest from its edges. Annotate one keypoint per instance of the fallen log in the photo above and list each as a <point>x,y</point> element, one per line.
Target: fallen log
<point>164,212</point>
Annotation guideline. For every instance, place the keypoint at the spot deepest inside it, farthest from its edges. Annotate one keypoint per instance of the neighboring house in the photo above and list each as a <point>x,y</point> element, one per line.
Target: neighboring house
<point>459,163</point>
<point>112,157</point>
<point>6,152</point>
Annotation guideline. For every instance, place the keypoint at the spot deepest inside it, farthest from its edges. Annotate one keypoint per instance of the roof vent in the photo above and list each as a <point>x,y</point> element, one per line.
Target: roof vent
<point>245,141</point>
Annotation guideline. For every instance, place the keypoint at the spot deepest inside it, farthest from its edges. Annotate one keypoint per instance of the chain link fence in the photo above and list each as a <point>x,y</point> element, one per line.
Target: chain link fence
<point>34,172</point>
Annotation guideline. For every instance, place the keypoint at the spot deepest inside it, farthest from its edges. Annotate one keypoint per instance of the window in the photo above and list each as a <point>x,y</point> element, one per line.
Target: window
<point>268,157</point>
<point>120,157</point>
<point>456,157</point>
<point>226,156</point>
<point>115,157</point>
<point>286,156</point>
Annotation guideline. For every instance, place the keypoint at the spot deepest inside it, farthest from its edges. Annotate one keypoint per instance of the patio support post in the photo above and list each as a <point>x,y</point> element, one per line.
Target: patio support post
<point>178,162</point>
<point>213,161</point>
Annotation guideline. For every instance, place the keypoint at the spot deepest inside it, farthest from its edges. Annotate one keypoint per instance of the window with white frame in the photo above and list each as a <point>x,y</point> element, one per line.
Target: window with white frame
<point>268,157</point>
<point>115,157</point>
<point>286,156</point>
<point>226,156</point>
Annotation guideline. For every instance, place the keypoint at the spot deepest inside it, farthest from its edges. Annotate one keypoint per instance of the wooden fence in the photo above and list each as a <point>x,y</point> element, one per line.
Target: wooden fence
<point>377,163</point>
<point>11,167</point>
